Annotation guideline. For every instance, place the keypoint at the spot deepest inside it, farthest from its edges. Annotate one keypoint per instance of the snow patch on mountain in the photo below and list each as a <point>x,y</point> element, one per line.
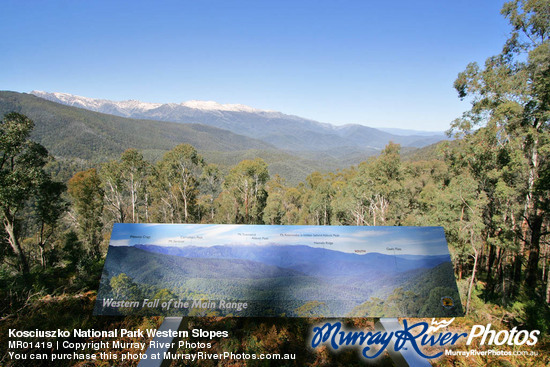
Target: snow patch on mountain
<point>211,105</point>
<point>101,105</point>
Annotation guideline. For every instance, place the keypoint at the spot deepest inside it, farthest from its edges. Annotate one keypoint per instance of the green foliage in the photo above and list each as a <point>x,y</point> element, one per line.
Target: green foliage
<point>210,187</point>
<point>124,288</point>
<point>177,184</point>
<point>87,197</point>
<point>421,294</point>
<point>312,309</point>
<point>28,196</point>
<point>125,186</point>
<point>246,185</point>
<point>72,250</point>
<point>507,138</point>
<point>529,314</point>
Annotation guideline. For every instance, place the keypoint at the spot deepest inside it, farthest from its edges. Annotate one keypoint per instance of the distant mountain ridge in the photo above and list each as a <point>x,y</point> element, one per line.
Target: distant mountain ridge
<point>123,259</point>
<point>405,132</point>
<point>76,133</point>
<point>309,260</point>
<point>283,131</point>
<point>126,108</point>
<point>73,132</point>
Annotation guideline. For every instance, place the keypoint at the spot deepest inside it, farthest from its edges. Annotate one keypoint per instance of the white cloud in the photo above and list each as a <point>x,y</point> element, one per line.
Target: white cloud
<point>125,242</point>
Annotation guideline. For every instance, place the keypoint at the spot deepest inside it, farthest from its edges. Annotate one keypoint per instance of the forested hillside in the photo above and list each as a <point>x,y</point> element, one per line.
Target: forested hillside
<point>74,132</point>
<point>71,133</point>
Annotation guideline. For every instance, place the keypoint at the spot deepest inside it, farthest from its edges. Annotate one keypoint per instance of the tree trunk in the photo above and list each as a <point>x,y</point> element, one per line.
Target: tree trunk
<point>185,212</point>
<point>534,252</point>
<point>472,281</point>
<point>490,270</point>
<point>134,200</point>
<point>146,207</point>
<point>246,201</point>
<point>42,256</point>
<point>518,264</point>
<point>15,245</point>
<point>212,208</point>
<point>533,217</point>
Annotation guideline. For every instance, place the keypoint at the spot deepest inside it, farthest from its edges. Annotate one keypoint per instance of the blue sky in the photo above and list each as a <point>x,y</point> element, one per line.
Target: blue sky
<point>381,64</point>
<point>385,240</point>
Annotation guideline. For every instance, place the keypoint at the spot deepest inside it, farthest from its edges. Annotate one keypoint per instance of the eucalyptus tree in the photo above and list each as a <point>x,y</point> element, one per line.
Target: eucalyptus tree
<point>274,210</point>
<point>24,184</point>
<point>48,208</point>
<point>87,195</point>
<point>125,186</point>
<point>210,187</point>
<point>510,99</point>
<point>114,189</point>
<point>321,199</point>
<point>179,172</point>
<point>372,194</point>
<point>135,171</point>
<point>246,185</point>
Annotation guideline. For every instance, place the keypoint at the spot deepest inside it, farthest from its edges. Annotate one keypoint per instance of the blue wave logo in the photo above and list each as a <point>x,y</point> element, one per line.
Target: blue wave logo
<point>417,334</point>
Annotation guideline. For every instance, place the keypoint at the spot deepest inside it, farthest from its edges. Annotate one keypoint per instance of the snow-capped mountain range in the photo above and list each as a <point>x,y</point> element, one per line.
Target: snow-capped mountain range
<point>286,132</point>
<point>130,106</point>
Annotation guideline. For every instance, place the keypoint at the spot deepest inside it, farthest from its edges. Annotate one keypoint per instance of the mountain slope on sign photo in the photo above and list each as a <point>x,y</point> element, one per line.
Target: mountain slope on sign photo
<point>281,278</point>
<point>310,260</point>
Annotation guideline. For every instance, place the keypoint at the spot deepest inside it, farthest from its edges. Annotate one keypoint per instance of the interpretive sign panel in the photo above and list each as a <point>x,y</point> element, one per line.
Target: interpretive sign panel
<point>293,271</point>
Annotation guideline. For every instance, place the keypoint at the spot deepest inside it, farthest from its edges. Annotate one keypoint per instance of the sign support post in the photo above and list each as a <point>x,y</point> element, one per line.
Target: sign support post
<point>405,357</point>
<point>164,344</point>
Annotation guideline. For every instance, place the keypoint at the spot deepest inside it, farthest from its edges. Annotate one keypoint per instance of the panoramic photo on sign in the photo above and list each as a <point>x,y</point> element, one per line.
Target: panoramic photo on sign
<point>293,271</point>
